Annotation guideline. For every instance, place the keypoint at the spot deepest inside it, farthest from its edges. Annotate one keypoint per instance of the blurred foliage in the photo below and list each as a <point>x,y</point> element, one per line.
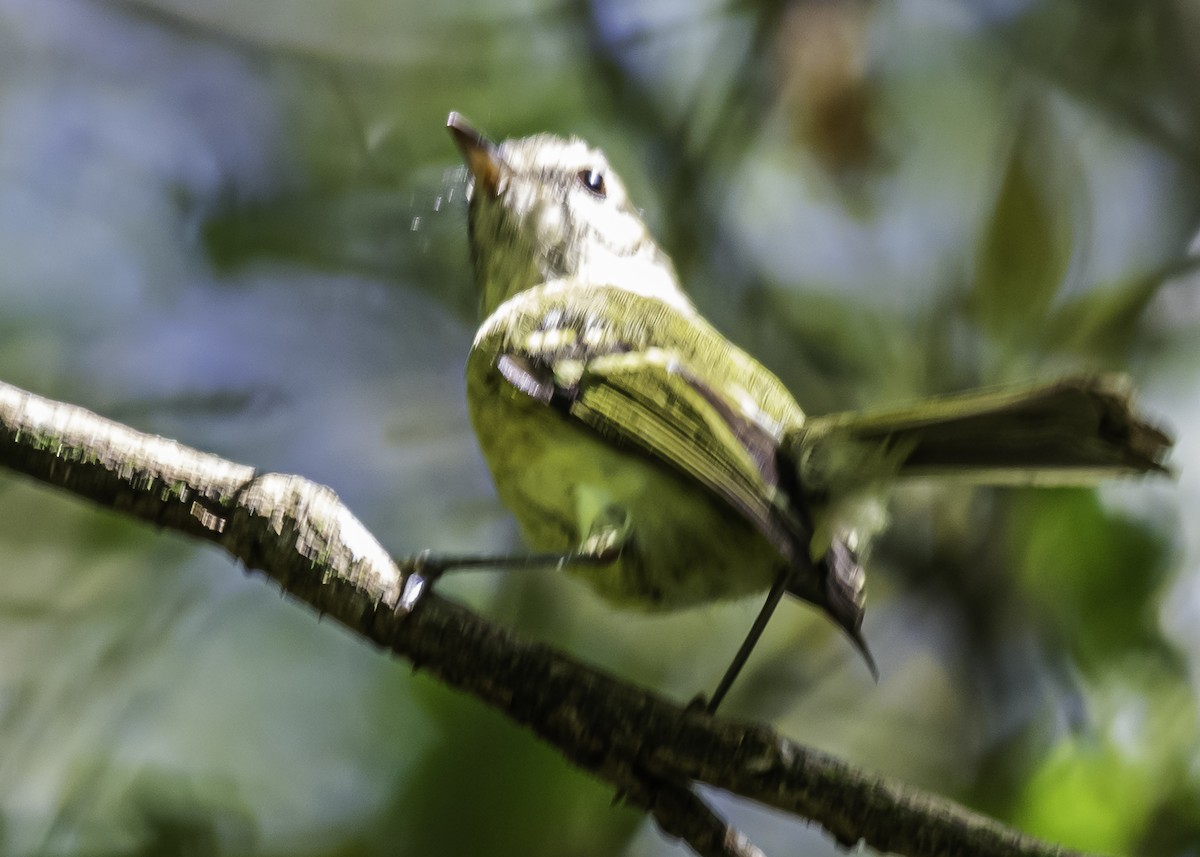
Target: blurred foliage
<point>242,224</point>
<point>1026,246</point>
<point>1091,573</point>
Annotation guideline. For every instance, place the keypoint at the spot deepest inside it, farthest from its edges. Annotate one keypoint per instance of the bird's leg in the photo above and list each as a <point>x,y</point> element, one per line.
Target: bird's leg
<point>425,568</point>
<point>743,653</point>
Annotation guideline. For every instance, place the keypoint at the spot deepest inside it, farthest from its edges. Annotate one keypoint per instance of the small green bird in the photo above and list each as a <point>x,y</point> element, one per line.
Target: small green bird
<point>664,465</point>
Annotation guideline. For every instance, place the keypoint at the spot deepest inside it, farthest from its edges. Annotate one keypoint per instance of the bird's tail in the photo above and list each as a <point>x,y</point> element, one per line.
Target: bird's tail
<point>1072,432</point>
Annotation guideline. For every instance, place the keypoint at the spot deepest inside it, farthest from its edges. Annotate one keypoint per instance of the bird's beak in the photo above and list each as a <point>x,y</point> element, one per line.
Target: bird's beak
<point>479,153</point>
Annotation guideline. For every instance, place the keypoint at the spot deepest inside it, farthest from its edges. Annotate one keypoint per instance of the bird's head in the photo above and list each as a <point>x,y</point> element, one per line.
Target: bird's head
<point>546,208</point>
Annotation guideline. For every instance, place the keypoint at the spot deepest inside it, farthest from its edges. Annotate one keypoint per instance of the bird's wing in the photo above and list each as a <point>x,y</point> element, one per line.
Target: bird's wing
<point>642,382</point>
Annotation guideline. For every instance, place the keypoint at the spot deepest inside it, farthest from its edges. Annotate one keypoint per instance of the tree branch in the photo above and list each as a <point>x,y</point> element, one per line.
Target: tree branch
<point>299,534</point>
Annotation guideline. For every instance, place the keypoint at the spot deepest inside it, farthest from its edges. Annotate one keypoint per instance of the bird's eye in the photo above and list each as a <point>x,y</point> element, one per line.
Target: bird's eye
<point>593,180</point>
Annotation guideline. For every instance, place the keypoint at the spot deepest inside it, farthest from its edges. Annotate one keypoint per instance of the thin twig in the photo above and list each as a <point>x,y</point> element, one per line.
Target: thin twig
<point>300,534</point>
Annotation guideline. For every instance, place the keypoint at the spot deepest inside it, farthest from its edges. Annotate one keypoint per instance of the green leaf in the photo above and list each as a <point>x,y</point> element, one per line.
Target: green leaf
<point>1109,788</point>
<point>1094,572</point>
<point>1102,322</point>
<point>1026,247</point>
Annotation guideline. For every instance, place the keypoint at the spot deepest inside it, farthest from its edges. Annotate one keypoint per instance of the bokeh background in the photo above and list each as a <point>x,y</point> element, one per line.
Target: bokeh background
<point>242,225</point>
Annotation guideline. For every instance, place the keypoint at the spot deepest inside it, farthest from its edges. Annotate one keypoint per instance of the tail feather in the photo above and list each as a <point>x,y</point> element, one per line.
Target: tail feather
<point>1074,431</point>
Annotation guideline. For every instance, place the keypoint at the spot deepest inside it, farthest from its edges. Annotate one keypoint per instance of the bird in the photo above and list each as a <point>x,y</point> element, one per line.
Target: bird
<point>644,453</point>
